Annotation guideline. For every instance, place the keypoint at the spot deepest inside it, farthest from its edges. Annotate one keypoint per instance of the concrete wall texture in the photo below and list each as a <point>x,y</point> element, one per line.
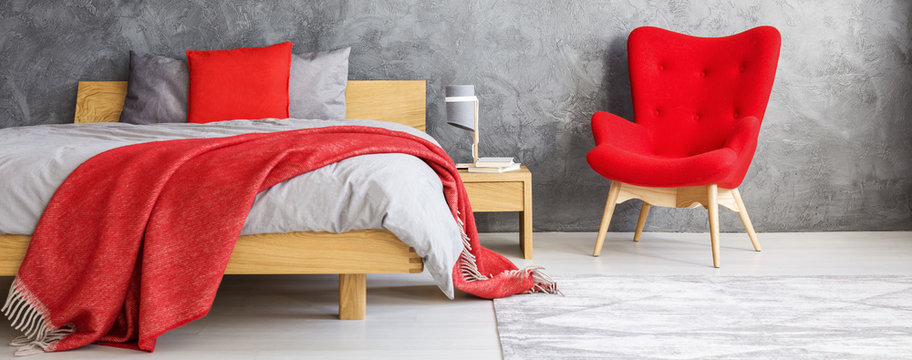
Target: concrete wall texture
<point>834,150</point>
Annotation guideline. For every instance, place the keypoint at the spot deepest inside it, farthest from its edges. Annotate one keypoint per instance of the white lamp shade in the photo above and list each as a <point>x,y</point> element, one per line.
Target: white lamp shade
<point>460,106</point>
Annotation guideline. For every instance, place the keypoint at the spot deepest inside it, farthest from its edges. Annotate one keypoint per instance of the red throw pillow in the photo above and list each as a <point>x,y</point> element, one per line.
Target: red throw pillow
<point>243,83</point>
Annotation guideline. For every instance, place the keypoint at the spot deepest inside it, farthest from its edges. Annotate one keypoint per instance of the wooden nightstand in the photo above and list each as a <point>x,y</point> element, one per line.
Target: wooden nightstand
<point>509,191</point>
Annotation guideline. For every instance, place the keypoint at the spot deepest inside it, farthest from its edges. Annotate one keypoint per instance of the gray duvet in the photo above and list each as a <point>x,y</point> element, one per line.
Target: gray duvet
<point>396,192</point>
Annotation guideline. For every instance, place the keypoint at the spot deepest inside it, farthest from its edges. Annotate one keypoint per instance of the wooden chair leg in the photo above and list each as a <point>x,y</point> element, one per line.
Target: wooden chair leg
<point>613,193</point>
<point>644,211</point>
<point>745,219</point>
<point>352,296</point>
<point>713,207</point>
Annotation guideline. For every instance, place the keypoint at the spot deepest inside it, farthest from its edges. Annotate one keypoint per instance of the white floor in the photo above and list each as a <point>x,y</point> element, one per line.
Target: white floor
<point>284,317</point>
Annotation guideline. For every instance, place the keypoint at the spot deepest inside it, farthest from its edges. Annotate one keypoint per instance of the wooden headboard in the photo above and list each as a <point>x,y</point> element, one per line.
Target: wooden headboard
<point>398,101</point>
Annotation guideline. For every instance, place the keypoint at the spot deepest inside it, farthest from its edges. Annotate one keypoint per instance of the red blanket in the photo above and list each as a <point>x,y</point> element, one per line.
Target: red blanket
<point>136,240</point>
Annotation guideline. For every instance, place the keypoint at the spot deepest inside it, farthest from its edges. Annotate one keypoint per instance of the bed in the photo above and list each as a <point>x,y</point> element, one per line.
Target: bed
<point>352,254</point>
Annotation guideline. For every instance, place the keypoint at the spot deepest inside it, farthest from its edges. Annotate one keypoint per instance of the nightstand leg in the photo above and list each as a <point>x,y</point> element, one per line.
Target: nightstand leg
<point>525,234</point>
<point>525,221</point>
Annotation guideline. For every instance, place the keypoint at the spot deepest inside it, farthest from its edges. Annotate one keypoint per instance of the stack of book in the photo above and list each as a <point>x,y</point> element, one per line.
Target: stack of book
<point>494,165</point>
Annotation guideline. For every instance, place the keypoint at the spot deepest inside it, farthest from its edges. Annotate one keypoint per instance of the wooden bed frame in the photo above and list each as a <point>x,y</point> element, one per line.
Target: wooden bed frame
<point>352,255</point>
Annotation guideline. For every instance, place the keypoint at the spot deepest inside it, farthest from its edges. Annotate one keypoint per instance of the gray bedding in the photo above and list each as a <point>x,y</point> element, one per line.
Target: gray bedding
<point>396,192</point>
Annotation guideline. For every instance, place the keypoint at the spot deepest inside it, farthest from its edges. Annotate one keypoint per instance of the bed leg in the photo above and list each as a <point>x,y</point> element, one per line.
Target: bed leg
<point>352,296</point>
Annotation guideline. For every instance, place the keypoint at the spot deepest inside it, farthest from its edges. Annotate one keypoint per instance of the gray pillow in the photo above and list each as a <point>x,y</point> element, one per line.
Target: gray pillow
<point>316,85</point>
<point>157,90</point>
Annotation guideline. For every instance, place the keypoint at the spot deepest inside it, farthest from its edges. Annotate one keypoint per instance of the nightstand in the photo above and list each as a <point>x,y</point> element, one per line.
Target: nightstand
<point>504,192</point>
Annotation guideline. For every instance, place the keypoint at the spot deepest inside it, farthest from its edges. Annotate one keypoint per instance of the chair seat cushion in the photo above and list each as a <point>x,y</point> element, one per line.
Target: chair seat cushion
<point>645,169</point>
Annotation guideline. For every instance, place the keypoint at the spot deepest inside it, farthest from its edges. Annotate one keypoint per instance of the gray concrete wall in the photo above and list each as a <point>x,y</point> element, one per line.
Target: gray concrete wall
<point>834,149</point>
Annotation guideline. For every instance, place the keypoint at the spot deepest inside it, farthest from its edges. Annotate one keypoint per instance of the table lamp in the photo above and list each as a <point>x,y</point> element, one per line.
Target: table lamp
<point>462,112</point>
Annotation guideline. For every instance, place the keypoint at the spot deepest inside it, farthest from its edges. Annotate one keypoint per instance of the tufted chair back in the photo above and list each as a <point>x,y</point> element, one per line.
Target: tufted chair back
<point>690,91</point>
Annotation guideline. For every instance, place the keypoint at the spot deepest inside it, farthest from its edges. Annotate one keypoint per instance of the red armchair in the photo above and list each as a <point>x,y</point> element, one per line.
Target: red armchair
<point>698,104</point>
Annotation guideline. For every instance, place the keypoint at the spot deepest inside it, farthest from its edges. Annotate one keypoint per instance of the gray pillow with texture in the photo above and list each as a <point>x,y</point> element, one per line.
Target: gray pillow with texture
<point>316,85</point>
<point>157,90</point>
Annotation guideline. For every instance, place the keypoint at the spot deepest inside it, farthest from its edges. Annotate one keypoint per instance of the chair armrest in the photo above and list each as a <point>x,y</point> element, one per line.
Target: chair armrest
<point>613,129</point>
<point>744,135</point>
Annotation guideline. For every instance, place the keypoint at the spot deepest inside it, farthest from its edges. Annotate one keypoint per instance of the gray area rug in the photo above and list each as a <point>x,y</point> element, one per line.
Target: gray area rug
<point>711,317</point>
